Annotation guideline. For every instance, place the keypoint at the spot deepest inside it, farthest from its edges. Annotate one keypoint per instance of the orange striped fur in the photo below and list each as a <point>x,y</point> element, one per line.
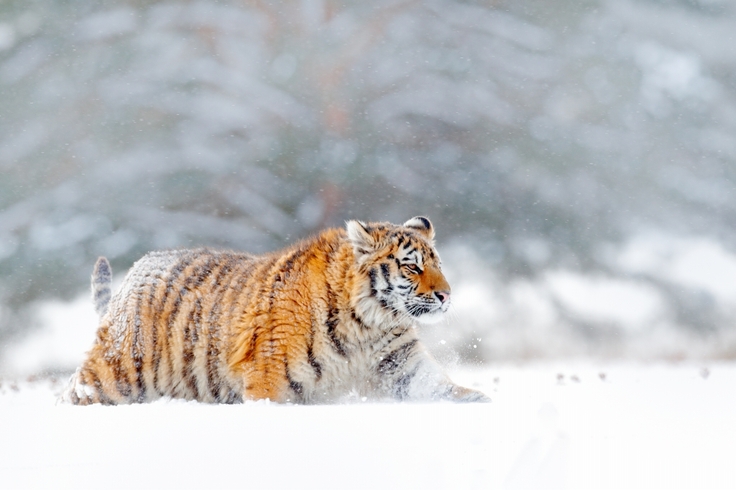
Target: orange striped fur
<point>328,316</point>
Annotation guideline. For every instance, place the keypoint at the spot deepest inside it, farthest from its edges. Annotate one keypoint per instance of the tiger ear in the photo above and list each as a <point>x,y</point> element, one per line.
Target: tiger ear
<point>422,225</point>
<point>360,236</point>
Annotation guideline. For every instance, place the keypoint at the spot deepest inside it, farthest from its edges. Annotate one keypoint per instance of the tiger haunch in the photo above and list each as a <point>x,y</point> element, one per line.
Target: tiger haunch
<point>331,315</point>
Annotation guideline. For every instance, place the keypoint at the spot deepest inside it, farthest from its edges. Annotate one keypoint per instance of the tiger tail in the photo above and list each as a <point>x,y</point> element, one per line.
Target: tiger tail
<point>101,290</point>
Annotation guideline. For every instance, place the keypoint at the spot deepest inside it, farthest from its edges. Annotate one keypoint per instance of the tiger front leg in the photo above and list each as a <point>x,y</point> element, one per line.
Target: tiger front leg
<point>409,373</point>
<point>427,381</point>
<point>466,395</point>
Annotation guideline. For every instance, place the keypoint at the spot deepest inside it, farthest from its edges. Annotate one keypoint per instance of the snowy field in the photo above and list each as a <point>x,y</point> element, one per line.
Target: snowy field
<point>572,425</point>
<point>553,424</point>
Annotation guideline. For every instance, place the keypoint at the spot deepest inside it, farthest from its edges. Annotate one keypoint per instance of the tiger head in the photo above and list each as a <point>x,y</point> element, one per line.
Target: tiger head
<point>399,272</point>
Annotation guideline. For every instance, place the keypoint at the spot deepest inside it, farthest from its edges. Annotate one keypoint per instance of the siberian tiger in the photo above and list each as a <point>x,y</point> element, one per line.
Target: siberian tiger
<point>329,316</point>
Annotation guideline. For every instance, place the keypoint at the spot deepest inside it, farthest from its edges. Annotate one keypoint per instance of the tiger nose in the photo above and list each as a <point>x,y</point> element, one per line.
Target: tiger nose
<point>443,296</point>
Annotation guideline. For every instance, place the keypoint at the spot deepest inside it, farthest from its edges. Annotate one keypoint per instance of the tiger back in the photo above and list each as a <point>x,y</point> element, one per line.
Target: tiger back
<point>330,315</point>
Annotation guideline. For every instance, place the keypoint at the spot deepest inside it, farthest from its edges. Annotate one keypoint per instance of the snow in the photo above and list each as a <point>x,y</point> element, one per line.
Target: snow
<point>571,425</point>
<point>551,424</point>
<point>562,423</point>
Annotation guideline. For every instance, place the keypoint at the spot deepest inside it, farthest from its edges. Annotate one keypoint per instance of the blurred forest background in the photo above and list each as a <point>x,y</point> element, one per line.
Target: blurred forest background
<point>576,157</point>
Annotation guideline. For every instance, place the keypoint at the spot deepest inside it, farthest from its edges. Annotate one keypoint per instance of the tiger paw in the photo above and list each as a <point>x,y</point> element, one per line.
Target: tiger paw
<point>466,395</point>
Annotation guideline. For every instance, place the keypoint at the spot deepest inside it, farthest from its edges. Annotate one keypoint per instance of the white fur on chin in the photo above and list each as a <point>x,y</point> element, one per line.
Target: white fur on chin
<point>432,317</point>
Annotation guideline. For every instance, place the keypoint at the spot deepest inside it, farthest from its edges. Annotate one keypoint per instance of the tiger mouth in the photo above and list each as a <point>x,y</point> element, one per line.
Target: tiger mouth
<point>433,316</point>
<point>418,311</point>
<point>423,309</point>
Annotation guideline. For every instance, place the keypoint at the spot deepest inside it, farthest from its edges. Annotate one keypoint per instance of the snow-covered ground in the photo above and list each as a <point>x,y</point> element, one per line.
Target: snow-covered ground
<point>571,425</point>
<point>551,424</point>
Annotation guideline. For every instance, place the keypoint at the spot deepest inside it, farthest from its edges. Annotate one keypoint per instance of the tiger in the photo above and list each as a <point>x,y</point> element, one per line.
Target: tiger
<point>332,316</point>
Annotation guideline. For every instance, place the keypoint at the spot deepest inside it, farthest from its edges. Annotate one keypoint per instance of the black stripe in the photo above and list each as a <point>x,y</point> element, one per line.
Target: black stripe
<point>278,281</point>
<point>138,350</point>
<point>295,386</point>
<point>387,337</point>
<point>257,283</point>
<point>264,273</point>
<point>401,387</point>
<point>389,287</point>
<point>250,353</point>
<point>372,277</point>
<point>246,289</point>
<point>345,270</point>
<point>200,272</point>
<point>289,264</point>
<point>332,307</point>
<point>190,333</point>
<point>194,324</point>
<point>157,310</point>
<point>213,352</point>
<point>386,274</point>
<point>104,399</point>
<point>154,339</point>
<point>396,359</point>
<point>316,366</point>
<point>173,276</point>
<point>331,323</point>
<point>418,309</point>
<point>374,292</point>
<point>260,328</point>
<point>213,349</point>
<point>122,383</point>
<point>358,320</point>
<point>169,329</point>
<point>190,340</point>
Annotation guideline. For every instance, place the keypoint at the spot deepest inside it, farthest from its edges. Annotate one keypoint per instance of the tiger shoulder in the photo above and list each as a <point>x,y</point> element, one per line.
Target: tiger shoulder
<point>329,316</point>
